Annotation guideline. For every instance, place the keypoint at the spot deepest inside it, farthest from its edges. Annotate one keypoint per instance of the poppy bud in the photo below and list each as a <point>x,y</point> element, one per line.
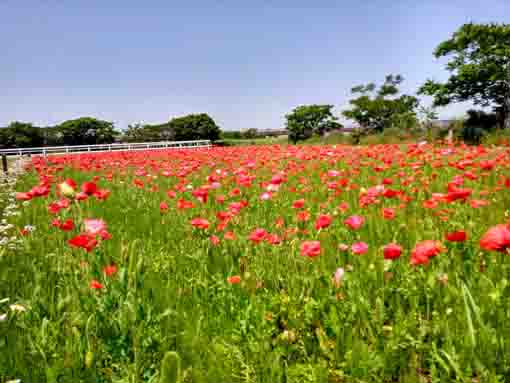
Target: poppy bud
<point>66,189</point>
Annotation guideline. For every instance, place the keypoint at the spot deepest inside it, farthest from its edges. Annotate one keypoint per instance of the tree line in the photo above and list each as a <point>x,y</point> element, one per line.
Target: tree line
<point>479,65</point>
<point>90,131</point>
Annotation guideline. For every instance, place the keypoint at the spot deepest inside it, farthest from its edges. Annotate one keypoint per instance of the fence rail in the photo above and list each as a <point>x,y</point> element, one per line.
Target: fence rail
<point>107,147</point>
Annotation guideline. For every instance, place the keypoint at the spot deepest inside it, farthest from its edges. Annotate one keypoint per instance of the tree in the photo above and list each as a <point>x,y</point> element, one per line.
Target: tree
<point>194,127</point>
<point>190,127</point>
<point>307,120</point>
<point>21,135</point>
<point>86,131</point>
<point>231,135</point>
<point>427,115</point>
<point>250,134</point>
<point>479,62</point>
<point>375,110</point>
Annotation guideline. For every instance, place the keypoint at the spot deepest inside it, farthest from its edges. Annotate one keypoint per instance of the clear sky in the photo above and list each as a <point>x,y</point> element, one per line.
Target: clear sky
<point>246,63</point>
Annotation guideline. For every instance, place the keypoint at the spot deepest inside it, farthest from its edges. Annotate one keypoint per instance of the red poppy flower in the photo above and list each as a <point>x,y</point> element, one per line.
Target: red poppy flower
<point>215,241</point>
<point>273,239</point>
<point>323,221</point>
<point>310,248</point>
<point>40,191</point>
<point>94,226</point>
<point>476,203</point>
<point>388,213</point>
<point>68,225</point>
<point>96,285</point>
<point>497,238</point>
<point>354,222</point>
<point>183,204</point>
<point>234,279</point>
<point>229,235</point>
<point>303,216</point>
<point>430,204</point>
<point>163,206</point>
<point>389,193</point>
<point>102,194</point>
<point>392,251</point>
<point>359,248</point>
<point>456,236</point>
<point>89,188</point>
<point>110,270</point>
<point>258,235</point>
<point>201,194</point>
<point>344,206</point>
<point>200,223</point>
<point>23,196</point>
<point>85,241</point>
<point>425,250</point>
<point>104,234</point>
<point>54,208</point>
<point>458,194</point>
<point>298,204</point>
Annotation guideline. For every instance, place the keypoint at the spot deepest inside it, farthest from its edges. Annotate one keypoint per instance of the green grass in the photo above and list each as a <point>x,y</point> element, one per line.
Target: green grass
<point>169,311</point>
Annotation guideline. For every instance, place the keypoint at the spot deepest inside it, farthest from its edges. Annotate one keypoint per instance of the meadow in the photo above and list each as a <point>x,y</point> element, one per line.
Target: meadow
<point>267,263</point>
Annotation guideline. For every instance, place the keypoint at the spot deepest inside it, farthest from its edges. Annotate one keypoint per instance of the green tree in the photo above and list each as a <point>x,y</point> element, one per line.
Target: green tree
<point>231,135</point>
<point>21,135</point>
<point>134,133</point>
<point>376,109</point>
<point>194,127</point>
<point>52,136</point>
<point>86,131</point>
<point>478,124</point>
<point>307,120</point>
<point>479,62</point>
<point>250,133</point>
<point>190,127</point>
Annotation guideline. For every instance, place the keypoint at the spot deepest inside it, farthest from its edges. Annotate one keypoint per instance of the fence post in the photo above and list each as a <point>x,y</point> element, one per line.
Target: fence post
<point>4,163</point>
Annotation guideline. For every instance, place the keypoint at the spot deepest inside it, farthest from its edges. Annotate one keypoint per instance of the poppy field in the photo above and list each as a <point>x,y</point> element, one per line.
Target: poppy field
<point>381,263</point>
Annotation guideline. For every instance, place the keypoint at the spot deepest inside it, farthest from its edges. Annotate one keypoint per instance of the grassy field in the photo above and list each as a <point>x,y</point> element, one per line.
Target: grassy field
<point>381,263</point>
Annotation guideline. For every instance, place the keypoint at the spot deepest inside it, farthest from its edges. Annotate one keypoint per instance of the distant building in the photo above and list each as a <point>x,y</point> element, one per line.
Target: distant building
<point>343,130</point>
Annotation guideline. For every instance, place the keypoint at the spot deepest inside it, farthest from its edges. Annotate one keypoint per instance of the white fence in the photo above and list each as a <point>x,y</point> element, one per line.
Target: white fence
<point>107,148</point>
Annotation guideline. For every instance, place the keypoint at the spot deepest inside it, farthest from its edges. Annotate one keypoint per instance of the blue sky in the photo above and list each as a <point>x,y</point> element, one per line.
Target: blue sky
<point>246,63</point>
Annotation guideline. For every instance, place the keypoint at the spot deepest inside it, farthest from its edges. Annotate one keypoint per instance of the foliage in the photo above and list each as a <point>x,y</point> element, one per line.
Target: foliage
<point>481,119</point>
<point>306,120</point>
<point>231,135</point>
<point>142,133</point>
<point>21,135</point>
<point>191,127</point>
<point>377,109</point>
<point>478,124</point>
<point>479,62</point>
<point>86,131</point>
<point>249,134</point>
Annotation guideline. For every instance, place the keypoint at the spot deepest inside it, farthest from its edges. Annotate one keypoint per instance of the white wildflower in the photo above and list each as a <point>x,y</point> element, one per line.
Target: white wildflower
<point>17,307</point>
